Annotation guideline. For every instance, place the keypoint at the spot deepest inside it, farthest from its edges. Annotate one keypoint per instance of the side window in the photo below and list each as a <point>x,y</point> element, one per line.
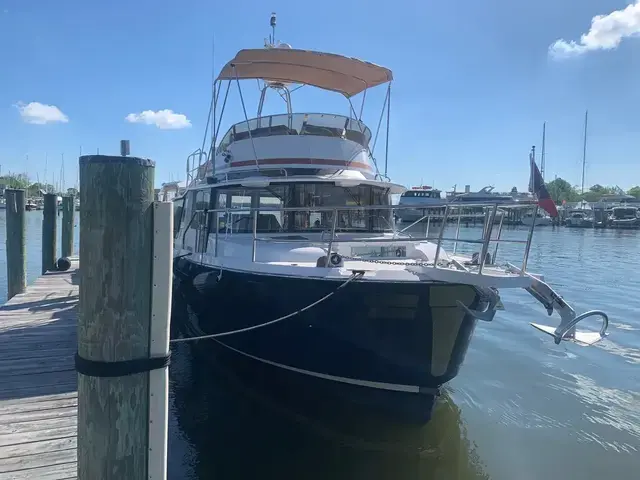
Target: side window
<point>178,210</point>
<point>381,219</point>
<point>187,210</point>
<point>270,221</point>
<point>201,202</point>
<point>221,204</point>
<point>240,216</point>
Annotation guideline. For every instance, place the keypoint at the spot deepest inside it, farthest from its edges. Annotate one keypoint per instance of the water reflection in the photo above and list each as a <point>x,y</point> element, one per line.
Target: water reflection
<point>229,430</point>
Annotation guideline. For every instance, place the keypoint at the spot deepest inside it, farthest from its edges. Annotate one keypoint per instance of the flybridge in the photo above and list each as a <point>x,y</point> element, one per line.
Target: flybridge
<point>294,143</point>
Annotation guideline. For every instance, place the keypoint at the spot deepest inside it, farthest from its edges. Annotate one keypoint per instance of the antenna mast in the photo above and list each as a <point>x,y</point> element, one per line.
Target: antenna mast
<point>272,22</point>
<point>584,147</point>
<point>542,164</point>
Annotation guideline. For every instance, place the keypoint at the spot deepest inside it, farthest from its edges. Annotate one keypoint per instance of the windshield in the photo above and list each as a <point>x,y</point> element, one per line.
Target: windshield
<point>421,194</point>
<point>624,212</point>
<point>311,196</point>
<point>322,124</point>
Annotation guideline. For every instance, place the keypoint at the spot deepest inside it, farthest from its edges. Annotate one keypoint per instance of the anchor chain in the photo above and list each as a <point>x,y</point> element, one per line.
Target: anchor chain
<point>388,262</point>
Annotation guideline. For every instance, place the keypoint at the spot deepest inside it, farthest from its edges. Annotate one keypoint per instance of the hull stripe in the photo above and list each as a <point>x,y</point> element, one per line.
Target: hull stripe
<point>352,381</point>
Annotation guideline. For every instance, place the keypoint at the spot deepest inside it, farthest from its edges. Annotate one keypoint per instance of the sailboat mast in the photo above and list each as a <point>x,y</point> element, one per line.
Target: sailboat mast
<point>542,165</point>
<point>584,148</point>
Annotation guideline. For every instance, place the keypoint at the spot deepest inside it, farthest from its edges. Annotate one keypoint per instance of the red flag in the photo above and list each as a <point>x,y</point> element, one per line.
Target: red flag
<point>540,190</point>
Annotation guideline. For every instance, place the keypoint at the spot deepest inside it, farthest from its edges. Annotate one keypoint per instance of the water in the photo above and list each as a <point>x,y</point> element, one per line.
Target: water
<point>522,407</point>
<point>34,246</point>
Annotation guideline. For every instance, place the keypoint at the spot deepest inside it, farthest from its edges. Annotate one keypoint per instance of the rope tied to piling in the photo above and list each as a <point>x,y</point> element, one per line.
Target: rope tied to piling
<point>356,275</point>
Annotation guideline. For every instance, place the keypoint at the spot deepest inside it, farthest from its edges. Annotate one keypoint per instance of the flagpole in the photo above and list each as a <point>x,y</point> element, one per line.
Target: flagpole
<point>584,149</point>
<point>542,162</point>
<point>527,248</point>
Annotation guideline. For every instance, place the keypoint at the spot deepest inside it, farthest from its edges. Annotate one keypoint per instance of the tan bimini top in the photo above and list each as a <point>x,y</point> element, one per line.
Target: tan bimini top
<point>328,71</point>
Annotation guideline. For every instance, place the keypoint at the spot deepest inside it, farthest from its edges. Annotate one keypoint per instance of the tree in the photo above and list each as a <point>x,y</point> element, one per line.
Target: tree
<point>561,190</point>
<point>72,191</point>
<point>13,180</point>
<point>597,191</point>
<point>635,191</point>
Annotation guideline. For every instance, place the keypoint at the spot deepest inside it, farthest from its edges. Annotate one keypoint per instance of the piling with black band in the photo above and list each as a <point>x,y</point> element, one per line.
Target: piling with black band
<point>122,368</point>
<point>114,321</point>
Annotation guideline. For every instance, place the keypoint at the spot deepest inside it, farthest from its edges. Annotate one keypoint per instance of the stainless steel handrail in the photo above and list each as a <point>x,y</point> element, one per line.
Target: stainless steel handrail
<point>394,240</point>
<point>501,206</point>
<point>449,211</point>
<point>440,236</point>
<point>487,237</point>
<point>332,238</point>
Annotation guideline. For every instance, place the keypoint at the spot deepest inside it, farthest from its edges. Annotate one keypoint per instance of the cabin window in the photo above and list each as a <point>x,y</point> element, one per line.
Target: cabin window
<point>187,210</point>
<point>421,194</point>
<point>310,196</point>
<point>178,210</point>
<point>221,203</point>
<point>201,202</point>
<point>238,217</point>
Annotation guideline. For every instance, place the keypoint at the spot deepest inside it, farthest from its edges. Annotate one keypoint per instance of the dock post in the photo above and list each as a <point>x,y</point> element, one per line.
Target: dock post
<point>16,241</point>
<point>67,225</point>
<point>123,325</point>
<point>49,232</point>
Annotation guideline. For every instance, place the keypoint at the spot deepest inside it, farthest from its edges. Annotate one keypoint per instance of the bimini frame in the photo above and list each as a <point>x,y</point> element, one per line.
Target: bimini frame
<point>279,66</point>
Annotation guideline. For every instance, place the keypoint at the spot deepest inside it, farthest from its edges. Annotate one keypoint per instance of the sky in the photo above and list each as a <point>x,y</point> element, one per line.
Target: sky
<point>473,82</point>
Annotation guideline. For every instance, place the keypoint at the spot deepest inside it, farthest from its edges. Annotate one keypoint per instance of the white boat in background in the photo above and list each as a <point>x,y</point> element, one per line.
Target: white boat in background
<point>625,217</point>
<point>485,194</point>
<point>580,217</point>
<point>287,252</point>
<point>425,200</point>
<point>541,220</point>
<point>170,190</point>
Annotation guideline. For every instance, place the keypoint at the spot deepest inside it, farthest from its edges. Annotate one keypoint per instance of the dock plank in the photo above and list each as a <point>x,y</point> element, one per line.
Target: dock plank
<point>38,382</point>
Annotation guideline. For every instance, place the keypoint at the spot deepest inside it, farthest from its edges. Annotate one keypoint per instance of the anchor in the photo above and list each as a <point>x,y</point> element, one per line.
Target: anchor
<point>542,292</point>
<point>493,304</point>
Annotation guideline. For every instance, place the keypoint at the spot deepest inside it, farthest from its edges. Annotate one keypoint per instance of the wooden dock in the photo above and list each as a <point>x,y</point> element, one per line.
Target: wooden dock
<point>38,381</point>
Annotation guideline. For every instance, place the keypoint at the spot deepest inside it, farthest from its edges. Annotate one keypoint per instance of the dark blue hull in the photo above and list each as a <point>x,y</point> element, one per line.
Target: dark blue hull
<point>385,346</point>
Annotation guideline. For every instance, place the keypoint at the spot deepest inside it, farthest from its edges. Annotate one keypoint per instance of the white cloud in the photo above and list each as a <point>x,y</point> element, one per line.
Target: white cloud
<point>606,33</point>
<point>163,119</point>
<point>40,114</point>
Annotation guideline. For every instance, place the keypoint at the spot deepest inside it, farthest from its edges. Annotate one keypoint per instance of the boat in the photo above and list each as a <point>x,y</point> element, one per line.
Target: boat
<point>581,216</point>
<point>31,205</point>
<point>170,190</point>
<point>474,203</point>
<point>295,276</point>
<point>541,219</point>
<point>426,201</point>
<point>624,217</point>
<point>485,194</point>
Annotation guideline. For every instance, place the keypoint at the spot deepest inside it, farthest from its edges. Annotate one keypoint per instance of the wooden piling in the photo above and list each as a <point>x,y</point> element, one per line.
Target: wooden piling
<point>124,275</point>
<point>49,232</point>
<point>67,225</point>
<point>15,242</point>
